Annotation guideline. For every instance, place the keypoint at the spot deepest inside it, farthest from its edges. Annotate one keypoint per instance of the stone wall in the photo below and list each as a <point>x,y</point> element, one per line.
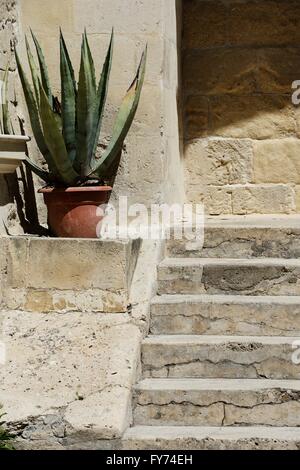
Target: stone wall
<point>242,144</point>
<point>8,37</point>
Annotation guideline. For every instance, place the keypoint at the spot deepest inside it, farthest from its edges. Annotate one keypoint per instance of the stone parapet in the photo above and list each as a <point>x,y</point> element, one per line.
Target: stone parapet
<point>49,274</point>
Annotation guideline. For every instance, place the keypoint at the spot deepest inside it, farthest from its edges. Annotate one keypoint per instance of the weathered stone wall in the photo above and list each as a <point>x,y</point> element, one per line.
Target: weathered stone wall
<point>242,133</point>
<point>8,37</point>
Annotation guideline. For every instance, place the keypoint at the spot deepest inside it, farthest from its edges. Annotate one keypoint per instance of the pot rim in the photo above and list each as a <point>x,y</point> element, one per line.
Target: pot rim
<point>14,138</point>
<point>75,189</point>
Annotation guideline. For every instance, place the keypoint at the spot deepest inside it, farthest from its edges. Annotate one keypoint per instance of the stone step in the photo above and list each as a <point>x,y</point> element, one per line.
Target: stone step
<point>271,276</point>
<point>217,402</point>
<point>211,438</point>
<point>266,238</point>
<point>229,314</point>
<point>221,356</point>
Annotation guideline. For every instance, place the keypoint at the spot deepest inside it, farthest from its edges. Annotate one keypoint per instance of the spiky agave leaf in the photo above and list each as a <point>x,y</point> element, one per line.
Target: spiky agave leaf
<point>34,70</point>
<point>4,105</point>
<point>34,118</point>
<point>68,60</point>
<point>55,141</point>
<point>100,103</point>
<point>86,100</point>
<point>43,68</point>
<point>68,94</point>
<point>90,58</point>
<point>124,119</point>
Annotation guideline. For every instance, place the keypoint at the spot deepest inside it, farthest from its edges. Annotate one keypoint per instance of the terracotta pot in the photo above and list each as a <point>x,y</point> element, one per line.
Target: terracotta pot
<point>72,212</point>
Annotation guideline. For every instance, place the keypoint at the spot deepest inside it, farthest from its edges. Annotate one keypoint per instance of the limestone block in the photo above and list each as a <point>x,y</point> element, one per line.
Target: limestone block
<point>218,71</point>
<point>143,158</point>
<point>241,70</point>
<point>204,25</point>
<point>277,161</point>
<point>77,274</point>
<point>137,16</point>
<point>46,17</point>
<point>256,117</point>
<point>231,315</point>
<point>263,199</point>
<point>60,370</point>
<point>276,23</point>
<point>208,24</point>
<point>218,162</point>
<point>216,199</point>
<point>229,276</point>
<point>278,69</point>
<point>260,239</point>
<point>244,199</point>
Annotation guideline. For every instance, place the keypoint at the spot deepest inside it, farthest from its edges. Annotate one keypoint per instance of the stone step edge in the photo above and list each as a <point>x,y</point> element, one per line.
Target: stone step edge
<point>255,221</point>
<point>202,432</point>
<point>169,299</point>
<point>217,339</point>
<point>230,262</point>
<point>216,384</point>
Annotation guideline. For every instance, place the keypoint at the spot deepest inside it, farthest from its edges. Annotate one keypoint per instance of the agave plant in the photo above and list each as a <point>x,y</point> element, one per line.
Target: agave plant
<point>67,132</point>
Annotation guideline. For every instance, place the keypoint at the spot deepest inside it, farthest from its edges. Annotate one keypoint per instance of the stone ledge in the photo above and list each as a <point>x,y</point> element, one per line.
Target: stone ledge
<point>67,378</point>
<point>211,438</point>
<point>56,274</point>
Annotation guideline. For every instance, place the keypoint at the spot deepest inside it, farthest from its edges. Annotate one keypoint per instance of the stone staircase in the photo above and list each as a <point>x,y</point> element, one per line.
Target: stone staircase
<point>217,367</point>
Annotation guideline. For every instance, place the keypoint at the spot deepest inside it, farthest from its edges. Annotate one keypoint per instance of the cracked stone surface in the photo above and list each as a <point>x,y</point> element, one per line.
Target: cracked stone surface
<point>230,276</point>
<point>219,356</point>
<point>240,242</point>
<point>217,402</point>
<point>67,375</point>
<point>231,314</point>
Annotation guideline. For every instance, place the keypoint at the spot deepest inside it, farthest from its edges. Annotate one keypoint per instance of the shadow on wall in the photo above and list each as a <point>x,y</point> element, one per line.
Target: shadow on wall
<point>17,189</point>
<point>239,61</point>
